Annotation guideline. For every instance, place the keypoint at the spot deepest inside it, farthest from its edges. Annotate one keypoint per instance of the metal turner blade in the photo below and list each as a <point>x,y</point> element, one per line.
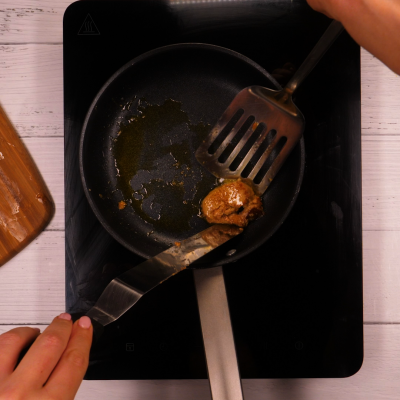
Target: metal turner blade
<point>260,128</point>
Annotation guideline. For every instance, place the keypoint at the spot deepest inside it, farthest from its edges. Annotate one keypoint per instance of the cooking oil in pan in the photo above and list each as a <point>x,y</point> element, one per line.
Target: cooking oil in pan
<point>157,172</point>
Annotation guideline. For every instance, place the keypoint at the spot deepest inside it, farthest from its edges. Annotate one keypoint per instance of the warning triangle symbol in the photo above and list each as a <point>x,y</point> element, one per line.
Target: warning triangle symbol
<point>88,27</point>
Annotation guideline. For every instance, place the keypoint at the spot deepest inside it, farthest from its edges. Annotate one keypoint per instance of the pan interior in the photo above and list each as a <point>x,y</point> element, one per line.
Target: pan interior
<point>157,174</point>
<point>138,142</point>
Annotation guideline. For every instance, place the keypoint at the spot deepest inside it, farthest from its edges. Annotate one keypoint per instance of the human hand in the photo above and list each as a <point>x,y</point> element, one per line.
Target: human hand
<point>331,8</point>
<point>373,24</point>
<point>53,367</point>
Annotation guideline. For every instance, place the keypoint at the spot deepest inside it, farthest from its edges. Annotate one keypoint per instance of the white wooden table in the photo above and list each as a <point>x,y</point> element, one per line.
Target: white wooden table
<point>32,284</point>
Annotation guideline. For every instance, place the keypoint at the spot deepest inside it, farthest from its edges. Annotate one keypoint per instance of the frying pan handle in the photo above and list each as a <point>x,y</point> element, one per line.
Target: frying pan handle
<point>326,40</point>
<point>98,329</point>
<point>219,343</point>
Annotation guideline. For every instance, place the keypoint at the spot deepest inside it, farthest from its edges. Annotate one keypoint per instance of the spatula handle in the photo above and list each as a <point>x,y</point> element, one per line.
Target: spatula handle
<point>326,40</point>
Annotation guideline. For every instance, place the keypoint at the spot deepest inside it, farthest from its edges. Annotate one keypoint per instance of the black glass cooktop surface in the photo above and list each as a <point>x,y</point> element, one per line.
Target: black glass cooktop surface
<point>296,302</point>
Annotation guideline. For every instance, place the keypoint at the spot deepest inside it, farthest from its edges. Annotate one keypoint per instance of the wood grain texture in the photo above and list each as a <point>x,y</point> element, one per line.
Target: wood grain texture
<point>33,99</point>
<point>381,179</point>
<point>38,21</point>
<point>31,87</point>
<point>381,276</point>
<point>26,206</point>
<point>32,283</point>
<point>48,154</point>
<point>380,98</point>
<point>381,182</point>
<point>377,379</point>
<point>6,328</point>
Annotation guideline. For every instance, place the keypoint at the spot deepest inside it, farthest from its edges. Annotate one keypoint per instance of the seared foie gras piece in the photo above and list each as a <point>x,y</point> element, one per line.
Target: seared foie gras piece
<point>232,203</point>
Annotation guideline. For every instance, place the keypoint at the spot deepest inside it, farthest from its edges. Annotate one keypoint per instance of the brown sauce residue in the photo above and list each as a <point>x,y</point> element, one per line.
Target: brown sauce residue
<point>232,203</point>
<point>157,173</point>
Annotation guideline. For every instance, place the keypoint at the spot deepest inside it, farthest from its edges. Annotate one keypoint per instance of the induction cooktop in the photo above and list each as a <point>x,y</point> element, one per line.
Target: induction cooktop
<point>295,302</point>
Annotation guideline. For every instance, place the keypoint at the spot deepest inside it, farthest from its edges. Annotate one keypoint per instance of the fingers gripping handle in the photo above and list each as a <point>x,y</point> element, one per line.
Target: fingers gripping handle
<point>98,329</point>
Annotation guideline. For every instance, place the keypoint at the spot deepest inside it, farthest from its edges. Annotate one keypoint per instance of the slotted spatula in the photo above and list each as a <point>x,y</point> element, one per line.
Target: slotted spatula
<point>259,129</point>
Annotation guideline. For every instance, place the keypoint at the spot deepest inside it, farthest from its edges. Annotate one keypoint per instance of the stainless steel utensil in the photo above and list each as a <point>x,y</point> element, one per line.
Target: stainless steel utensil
<point>259,129</point>
<point>251,141</point>
<point>126,289</point>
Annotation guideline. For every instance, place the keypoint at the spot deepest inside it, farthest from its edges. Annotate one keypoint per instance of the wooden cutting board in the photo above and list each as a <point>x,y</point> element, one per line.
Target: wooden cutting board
<point>26,206</point>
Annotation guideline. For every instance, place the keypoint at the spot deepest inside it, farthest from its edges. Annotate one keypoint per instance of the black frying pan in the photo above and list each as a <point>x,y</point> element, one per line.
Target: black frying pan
<point>203,79</point>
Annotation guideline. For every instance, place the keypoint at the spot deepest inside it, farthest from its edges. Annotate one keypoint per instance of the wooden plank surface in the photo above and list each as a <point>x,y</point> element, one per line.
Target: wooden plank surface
<point>380,98</point>
<point>32,88</point>
<point>377,379</point>
<point>380,178</point>
<point>32,284</point>
<point>381,182</point>
<point>33,99</point>
<point>27,21</point>
<point>48,154</point>
<point>381,276</point>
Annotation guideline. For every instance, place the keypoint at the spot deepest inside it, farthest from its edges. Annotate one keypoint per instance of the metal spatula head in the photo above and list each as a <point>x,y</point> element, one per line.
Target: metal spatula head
<point>253,138</point>
<point>260,128</point>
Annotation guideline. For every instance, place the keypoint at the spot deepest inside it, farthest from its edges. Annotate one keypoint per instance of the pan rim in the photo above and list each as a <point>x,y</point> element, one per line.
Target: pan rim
<point>133,62</point>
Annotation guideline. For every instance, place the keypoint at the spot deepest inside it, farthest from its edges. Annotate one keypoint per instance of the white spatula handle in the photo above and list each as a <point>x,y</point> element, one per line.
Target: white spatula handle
<point>219,345</point>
